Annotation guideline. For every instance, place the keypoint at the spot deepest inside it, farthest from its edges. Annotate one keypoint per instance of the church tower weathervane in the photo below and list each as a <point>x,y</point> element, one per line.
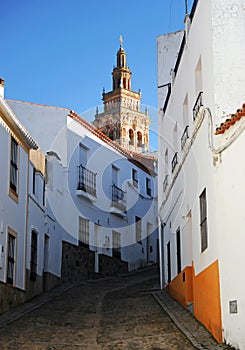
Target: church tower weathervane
<point>122,121</point>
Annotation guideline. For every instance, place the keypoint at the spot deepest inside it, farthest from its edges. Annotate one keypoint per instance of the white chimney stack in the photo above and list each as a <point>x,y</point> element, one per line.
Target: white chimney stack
<point>1,88</point>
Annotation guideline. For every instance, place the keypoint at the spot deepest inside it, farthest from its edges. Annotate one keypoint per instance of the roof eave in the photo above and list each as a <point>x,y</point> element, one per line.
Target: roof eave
<point>17,125</point>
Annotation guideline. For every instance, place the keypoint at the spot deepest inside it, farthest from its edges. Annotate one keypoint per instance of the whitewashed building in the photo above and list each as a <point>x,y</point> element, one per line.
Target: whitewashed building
<point>200,170</point>
<point>16,144</point>
<point>100,195</point>
<point>43,257</point>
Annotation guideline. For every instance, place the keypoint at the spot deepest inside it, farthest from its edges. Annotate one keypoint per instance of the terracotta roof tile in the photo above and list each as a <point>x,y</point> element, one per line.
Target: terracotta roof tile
<point>146,163</point>
<point>233,118</point>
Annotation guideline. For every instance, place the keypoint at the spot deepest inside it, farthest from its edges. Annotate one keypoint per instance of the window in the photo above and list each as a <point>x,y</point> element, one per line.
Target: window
<point>114,175</point>
<point>203,220</point>
<point>138,229</point>
<point>11,259</point>
<point>185,134</point>
<point>175,137</point>
<point>83,232</point>
<point>135,177</point>
<point>43,192</point>
<point>33,274</point>
<point>87,180</point>
<point>46,253</point>
<point>34,181</point>
<point>169,261</point>
<point>178,244</point>
<point>83,154</point>
<point>14,165</point>
<point>198,76</point>
<point>148,186</point>
<point>116,241</point>
<point>185,112</point>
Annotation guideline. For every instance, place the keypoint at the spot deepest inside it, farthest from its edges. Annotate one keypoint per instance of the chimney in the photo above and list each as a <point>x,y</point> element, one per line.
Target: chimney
<point>1,88</point>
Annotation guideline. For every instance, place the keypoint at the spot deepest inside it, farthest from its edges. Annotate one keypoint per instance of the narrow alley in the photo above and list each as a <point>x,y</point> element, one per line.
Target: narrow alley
<point>109,314</point>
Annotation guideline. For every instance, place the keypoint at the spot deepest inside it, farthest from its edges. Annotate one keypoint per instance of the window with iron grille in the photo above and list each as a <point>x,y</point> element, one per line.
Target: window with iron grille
<point>33,274</point>
<point>116,248</point>
<point>118,198</point>
<point>11,259</point>
<point>83,232</point>
<point>14,165</point>
<point>87,180</point>
<point>203,220</point>
<point>138,229</point>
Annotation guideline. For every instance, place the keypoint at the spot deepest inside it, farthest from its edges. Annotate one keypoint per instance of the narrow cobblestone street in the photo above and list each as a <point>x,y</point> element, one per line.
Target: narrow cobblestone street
<point>110,314</point>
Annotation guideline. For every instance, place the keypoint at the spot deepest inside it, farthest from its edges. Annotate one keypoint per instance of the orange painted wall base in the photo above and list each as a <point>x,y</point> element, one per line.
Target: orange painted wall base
<point>204,292</point>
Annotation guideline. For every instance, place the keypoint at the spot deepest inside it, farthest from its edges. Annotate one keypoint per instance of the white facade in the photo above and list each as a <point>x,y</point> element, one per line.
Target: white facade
<point>198,182</point>
<point>76,142</point>
<point>43,255</point>
<point>15,146</point>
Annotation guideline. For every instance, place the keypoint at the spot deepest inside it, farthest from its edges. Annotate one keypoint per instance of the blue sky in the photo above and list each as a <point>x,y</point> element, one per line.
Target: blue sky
<point>61,52</point>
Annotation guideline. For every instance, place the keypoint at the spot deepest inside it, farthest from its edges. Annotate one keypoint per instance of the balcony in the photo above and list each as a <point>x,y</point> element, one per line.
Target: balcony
<point>198,104</point>
<point>184,137</point>
<point>87,181</point>
<point>174,161</point>
<point>118,200</point>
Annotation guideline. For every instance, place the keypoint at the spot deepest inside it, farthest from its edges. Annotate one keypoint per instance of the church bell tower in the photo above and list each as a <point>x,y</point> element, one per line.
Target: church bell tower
<point>122,121</point>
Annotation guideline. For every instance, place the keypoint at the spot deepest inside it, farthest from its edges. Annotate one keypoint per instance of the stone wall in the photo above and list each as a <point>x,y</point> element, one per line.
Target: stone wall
<point>50,281</point>
<point>41,284</point>
<point>33,287</point>
<point>77,263</point>
<point>10,297</point>
<point>109,266</point>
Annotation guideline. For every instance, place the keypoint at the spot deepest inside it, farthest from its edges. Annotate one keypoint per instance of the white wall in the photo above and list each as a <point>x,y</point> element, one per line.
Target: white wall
<point>13,214</point>
<point>215,36</point>
<point>228,31</point>
<point>230,170</point>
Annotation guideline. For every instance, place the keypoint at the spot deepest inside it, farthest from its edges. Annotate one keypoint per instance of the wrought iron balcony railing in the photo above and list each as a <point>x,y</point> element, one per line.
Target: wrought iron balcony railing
<point>198,104</point>
<point>87,180</point>
<point>184,137</point>
<point>174,161</point>
<point>118,199</point>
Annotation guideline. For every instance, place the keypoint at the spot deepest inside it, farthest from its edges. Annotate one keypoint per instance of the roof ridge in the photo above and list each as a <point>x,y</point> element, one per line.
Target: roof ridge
<point>36,104</point>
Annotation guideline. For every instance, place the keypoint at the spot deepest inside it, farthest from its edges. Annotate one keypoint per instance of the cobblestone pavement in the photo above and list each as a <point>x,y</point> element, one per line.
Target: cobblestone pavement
<point>121,313</point>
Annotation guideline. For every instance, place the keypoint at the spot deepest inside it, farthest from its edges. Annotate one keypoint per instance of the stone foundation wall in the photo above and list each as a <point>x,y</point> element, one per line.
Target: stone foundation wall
<point>10,297</point>
<point>109,266</point>
<point>77,263</point>
<point>42,284</point>
<point>50,281</point>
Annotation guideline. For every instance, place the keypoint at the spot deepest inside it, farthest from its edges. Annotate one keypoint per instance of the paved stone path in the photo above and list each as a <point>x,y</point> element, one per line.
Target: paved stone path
<point>120,313</point>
